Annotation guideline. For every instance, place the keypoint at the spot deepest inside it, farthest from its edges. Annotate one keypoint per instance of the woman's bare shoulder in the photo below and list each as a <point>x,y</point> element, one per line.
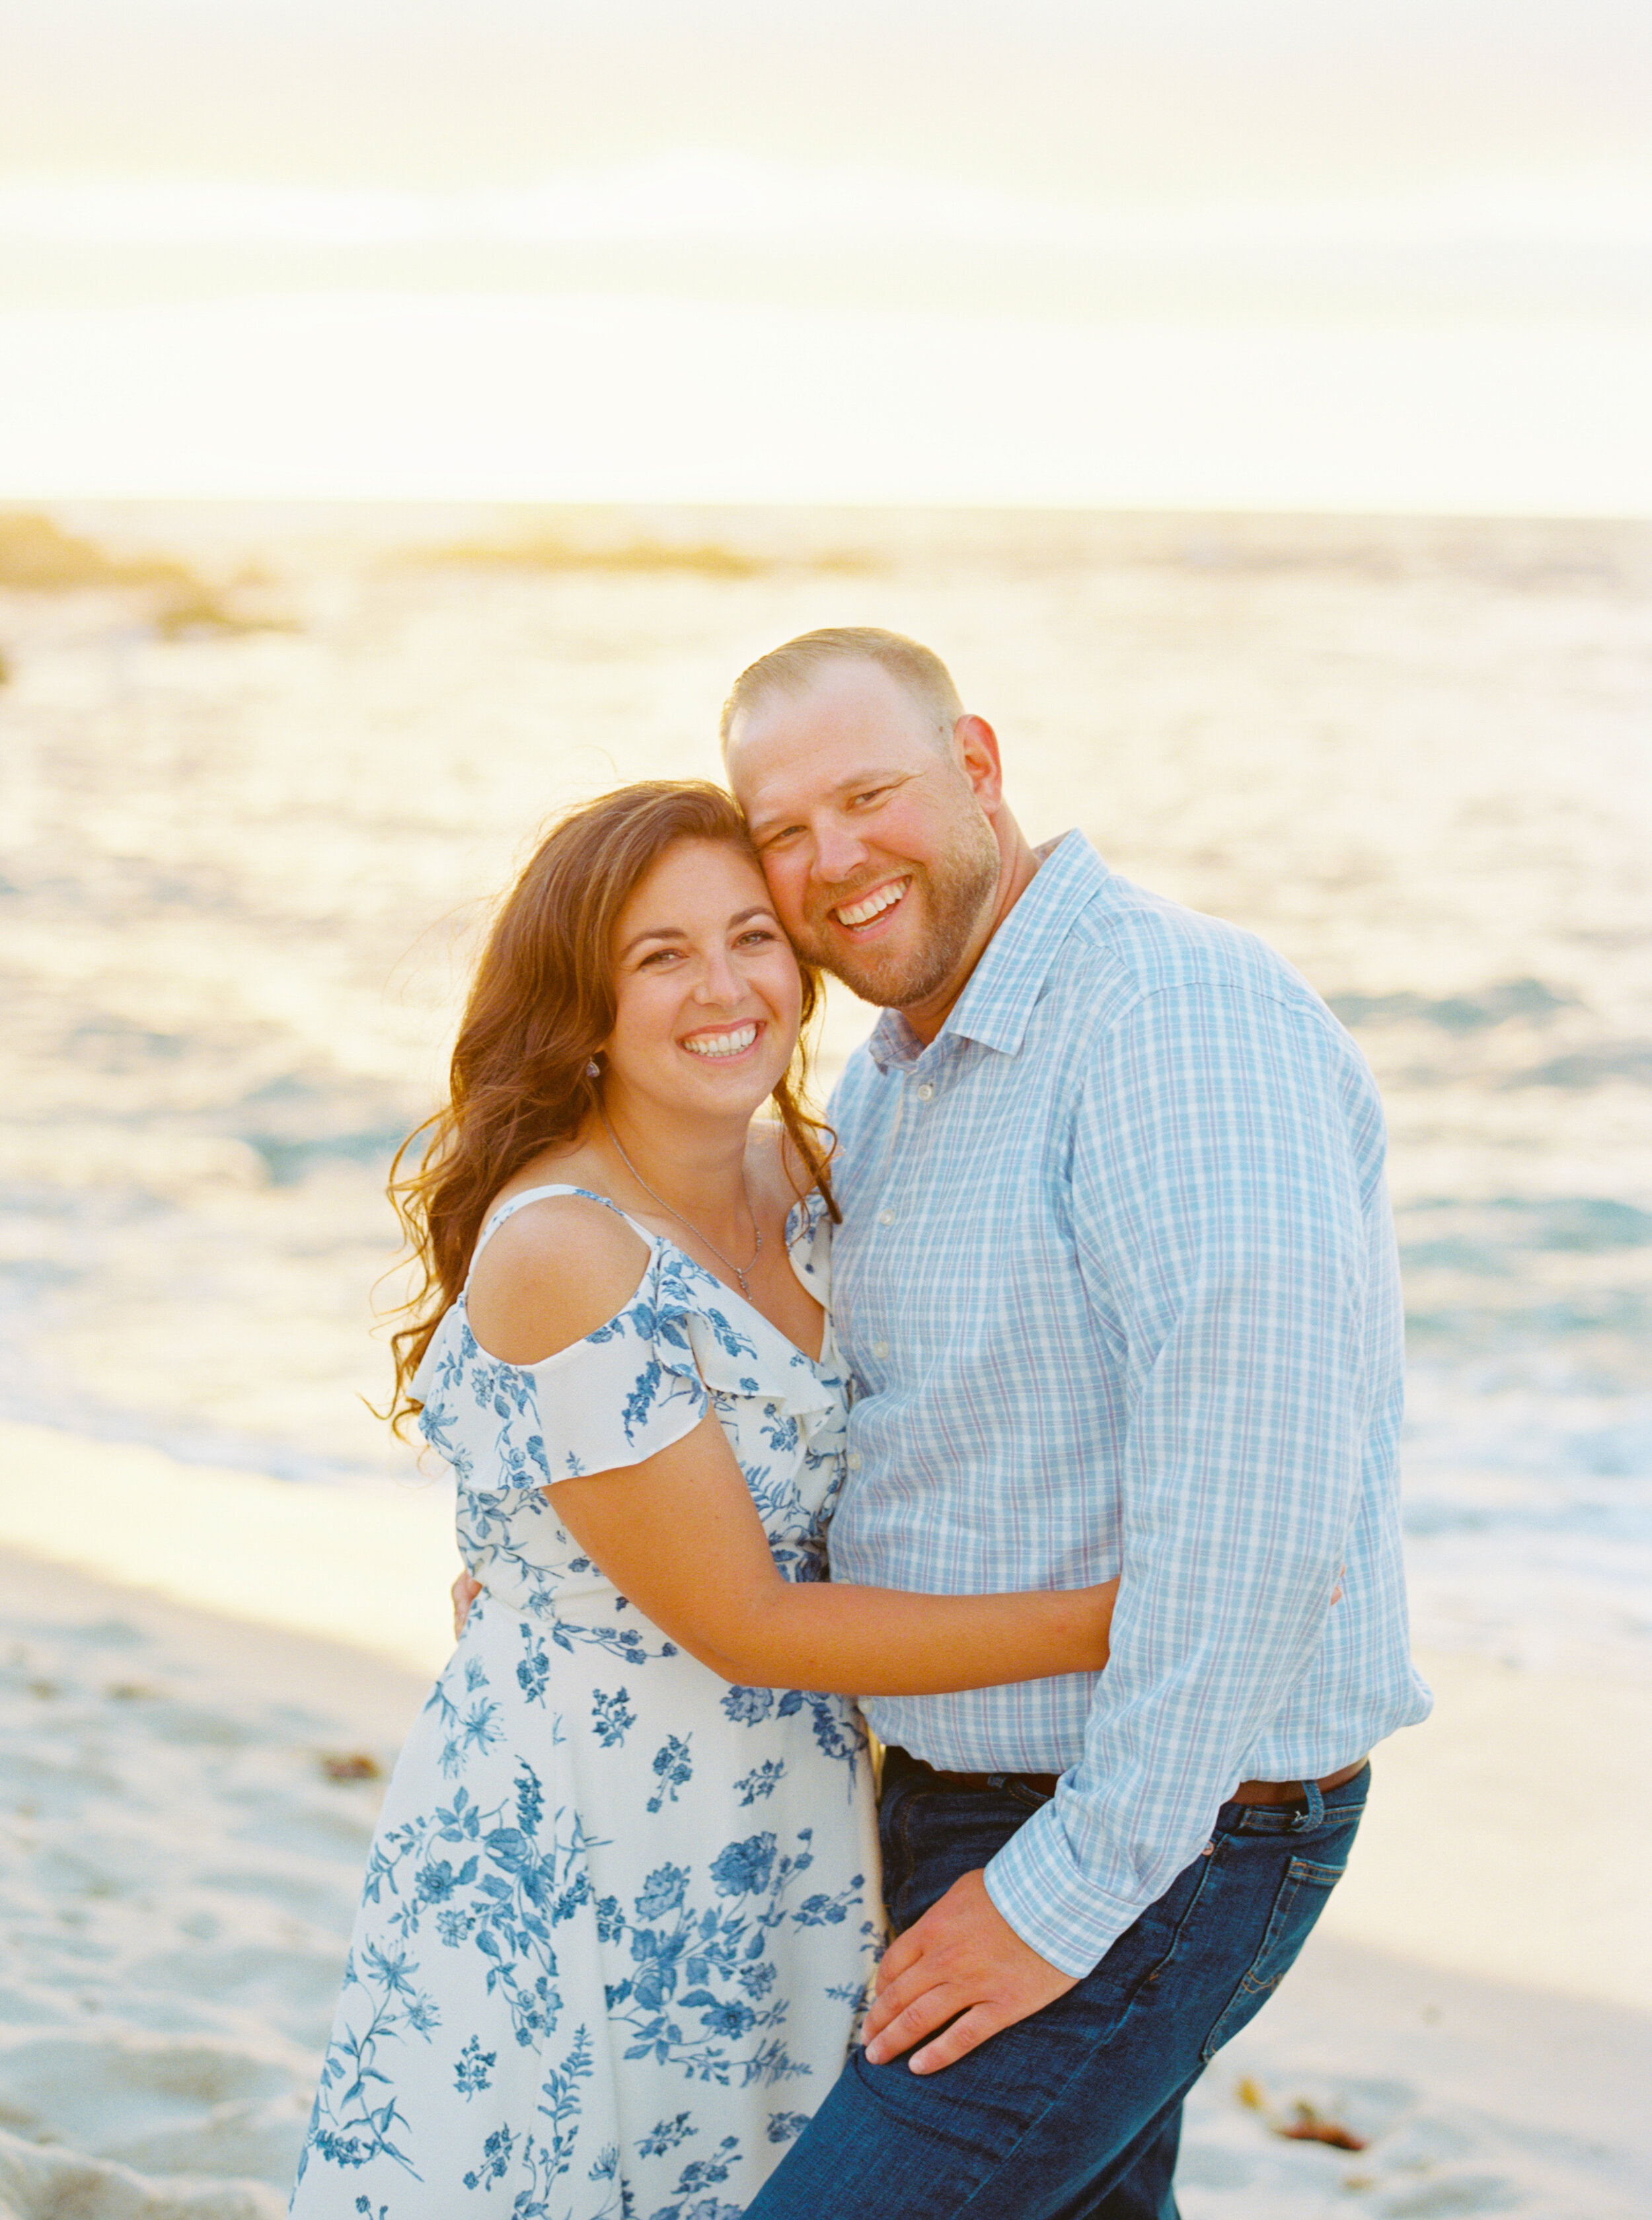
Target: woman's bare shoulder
<point>558,1268</point>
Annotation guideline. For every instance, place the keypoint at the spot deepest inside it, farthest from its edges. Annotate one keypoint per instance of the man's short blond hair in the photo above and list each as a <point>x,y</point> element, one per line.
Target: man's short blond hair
<point>788,669</point>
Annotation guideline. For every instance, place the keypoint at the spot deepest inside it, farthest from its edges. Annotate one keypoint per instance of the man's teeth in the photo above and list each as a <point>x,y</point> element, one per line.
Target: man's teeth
<point>872,905</point>
<point>730,1044</point>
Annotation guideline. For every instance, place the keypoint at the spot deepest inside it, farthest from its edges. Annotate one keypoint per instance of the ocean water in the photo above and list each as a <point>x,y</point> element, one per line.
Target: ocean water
<point>250,827</point>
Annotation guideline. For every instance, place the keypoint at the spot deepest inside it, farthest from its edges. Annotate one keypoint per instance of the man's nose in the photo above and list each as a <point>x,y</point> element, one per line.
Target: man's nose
<point>839,852</point>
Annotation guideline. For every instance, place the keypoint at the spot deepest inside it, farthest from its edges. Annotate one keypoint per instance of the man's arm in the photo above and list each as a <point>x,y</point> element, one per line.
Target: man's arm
<point>1220,1226</point>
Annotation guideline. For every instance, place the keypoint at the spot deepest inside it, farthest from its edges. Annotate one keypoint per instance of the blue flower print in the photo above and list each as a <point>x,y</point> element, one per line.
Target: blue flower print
<point>495,2159</point>
<point>611,1716</point>
<point>436,1882</point>
<point>533,1667</point>
<point>662,1892</point>
<point>673,1768</point>
<point>570,1926</point>
<point>749,1706</point>
<point>472,2075</point>
<point>530,1800</point>
<point>665,2135</point>
<point>743,1869</point>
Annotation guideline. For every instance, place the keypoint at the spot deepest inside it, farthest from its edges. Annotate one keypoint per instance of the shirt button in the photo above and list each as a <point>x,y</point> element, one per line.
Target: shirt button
<point>925,1092</point>
<point>853,1460</point>
<point>885,1218</point>
<point>880,1349</point>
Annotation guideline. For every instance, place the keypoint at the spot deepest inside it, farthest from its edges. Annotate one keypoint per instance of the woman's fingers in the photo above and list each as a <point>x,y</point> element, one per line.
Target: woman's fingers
<point>465,1591</point>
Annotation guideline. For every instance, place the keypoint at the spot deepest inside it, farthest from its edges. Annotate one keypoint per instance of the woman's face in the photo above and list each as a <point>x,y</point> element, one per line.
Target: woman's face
<point>708,995</point>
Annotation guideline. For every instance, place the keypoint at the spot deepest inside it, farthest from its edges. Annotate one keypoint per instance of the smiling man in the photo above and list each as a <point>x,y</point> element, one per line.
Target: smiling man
<point>1117,1281</point>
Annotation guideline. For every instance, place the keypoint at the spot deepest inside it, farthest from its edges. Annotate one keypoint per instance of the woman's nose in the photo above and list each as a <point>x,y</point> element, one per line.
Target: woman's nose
<point>719,981</point>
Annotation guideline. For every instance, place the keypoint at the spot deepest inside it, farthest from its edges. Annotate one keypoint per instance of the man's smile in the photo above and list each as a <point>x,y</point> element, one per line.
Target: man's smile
<point>867,907</point>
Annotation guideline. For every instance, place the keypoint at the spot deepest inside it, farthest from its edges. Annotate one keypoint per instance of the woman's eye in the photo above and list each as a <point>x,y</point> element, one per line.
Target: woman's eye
<point>660,956</point>
<point>759,936</point>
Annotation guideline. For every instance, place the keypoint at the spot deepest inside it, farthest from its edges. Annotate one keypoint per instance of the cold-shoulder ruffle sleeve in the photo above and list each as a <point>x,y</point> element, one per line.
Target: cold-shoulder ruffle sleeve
<point>623,1394</point>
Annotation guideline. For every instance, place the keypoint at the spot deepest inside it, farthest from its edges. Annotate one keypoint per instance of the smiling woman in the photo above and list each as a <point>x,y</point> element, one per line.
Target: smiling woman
<point>576,940</point>
<point>629,1844</point>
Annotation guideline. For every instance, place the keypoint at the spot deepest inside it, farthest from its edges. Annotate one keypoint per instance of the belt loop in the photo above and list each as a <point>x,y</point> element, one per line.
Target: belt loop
<point>1305,1821</point>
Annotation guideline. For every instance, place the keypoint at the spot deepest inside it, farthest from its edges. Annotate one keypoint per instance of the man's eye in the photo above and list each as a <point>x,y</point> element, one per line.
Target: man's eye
<point>872,793</point>
<point>786,834</point>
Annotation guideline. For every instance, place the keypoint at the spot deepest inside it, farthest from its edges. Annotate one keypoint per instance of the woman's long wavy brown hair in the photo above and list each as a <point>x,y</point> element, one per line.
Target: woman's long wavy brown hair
<point>540,1005</point>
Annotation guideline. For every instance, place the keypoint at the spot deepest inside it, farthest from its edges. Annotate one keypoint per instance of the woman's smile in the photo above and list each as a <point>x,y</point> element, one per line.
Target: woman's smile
<point>724,1045</point>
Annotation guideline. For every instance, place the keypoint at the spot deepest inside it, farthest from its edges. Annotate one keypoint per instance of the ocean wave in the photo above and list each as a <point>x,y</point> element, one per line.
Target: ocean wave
<point>1530,999</point>
<point>1590,1067</point>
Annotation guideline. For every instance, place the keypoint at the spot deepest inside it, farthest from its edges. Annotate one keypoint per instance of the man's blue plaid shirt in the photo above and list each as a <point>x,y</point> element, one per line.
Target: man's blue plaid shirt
<point>1119,1287</point>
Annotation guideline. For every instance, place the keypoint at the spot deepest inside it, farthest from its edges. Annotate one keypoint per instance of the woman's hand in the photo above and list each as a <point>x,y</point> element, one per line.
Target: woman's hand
<point>465,1591</point>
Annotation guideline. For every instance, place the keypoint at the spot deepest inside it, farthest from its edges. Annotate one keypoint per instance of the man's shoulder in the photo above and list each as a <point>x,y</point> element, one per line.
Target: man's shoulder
<point>1127,944</point>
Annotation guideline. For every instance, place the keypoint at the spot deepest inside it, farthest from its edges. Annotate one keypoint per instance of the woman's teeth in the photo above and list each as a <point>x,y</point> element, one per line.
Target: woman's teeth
<point>872,905</point>
<point>729,1044</point>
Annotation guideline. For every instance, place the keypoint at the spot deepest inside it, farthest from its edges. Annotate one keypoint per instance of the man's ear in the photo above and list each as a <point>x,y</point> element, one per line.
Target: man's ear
<point>977,757</point>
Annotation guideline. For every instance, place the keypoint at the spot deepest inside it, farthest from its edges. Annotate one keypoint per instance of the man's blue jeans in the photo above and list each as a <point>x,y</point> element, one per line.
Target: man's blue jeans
<point>1074,2114</point>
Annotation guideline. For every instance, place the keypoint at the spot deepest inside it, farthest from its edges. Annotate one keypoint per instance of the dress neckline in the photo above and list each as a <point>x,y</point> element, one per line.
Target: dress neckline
<point>656,1241</point>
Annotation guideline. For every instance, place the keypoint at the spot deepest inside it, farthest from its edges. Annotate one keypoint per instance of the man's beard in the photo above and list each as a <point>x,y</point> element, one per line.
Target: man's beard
<point>958,886</point>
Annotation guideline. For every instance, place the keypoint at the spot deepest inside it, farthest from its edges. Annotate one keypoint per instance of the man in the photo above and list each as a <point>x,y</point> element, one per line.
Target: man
<point>1117,1281</point>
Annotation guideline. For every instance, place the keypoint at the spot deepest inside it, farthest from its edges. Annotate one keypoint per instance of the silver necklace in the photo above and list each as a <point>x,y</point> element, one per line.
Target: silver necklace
<point>688,1222</point>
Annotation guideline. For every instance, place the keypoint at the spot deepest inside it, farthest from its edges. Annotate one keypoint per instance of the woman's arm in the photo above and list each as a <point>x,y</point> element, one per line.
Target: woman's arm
<point>680,1536</point>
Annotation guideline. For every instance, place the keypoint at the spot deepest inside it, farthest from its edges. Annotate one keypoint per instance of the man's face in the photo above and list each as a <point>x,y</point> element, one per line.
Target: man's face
<point>879,856</point>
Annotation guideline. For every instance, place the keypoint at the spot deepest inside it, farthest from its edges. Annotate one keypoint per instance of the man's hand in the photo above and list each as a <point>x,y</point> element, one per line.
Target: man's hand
<point>465,1591</point>
<point>962,1961</point>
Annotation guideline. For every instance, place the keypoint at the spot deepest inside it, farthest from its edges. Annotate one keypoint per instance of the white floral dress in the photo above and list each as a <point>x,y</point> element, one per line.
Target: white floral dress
<point>619,1916</point>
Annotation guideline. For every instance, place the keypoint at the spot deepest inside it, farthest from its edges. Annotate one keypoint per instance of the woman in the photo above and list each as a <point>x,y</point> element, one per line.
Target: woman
<point>622,1904</point>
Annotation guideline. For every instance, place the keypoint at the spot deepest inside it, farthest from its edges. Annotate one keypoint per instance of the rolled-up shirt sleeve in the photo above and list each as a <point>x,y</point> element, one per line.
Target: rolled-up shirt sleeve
<point>1225,1245</point>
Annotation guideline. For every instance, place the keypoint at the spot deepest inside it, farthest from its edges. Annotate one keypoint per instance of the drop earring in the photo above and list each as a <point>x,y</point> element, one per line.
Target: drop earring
<point>593,1069</point>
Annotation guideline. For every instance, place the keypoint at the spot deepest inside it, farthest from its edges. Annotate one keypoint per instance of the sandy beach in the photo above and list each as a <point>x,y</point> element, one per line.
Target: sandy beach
<point>207,1673</point>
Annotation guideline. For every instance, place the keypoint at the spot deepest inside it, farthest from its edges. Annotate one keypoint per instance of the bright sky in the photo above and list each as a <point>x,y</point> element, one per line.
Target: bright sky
<point>1381,254</point>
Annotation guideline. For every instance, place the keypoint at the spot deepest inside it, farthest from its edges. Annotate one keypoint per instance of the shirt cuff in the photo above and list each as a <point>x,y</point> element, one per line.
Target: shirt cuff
<point>1036,1884</point>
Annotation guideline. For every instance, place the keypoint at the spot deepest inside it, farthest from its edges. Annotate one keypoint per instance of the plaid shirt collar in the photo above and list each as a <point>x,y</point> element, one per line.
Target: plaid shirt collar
<point>1015,965</point>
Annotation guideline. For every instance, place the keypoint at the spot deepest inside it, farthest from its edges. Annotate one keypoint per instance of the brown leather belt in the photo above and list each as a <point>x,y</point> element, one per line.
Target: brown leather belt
<point>1044,1784</point>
